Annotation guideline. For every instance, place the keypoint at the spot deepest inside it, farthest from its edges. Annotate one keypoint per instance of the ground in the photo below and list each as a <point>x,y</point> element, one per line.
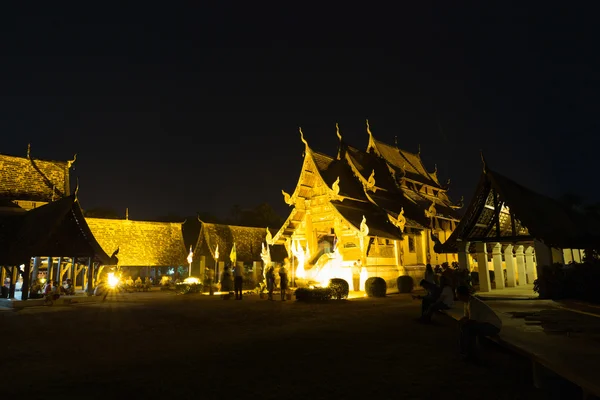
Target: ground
<point>159,345</point>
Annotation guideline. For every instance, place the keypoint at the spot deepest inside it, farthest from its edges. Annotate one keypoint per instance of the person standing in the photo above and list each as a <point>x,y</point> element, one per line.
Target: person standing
<point>356,276</point>
<point>479,320</point>
<point>270,275</point>
<point>283,280</point>
<point>238,282</point>
<point>210,277</point>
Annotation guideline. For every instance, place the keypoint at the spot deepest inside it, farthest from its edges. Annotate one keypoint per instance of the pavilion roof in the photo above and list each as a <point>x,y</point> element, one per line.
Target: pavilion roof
<point>26,178</point>
<point>57,229</point>
<point>248,243</point>
<point>499,201</point>
<point>141,243</point>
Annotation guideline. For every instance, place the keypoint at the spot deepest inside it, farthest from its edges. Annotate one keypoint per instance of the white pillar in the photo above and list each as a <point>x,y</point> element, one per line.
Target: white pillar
<point>482,265</point>
<point>497,262</point>
<point>463,256</point>
<point>511,280</point>
<point>576,255</point>
<point>521,275</point>
<point>529,265</point>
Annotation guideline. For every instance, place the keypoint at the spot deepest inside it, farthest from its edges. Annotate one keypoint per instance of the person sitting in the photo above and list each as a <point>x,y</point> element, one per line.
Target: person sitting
<point>67,288</point>
<point>479,320</point>
<point>433,293</point>
<point>444,302</point>
<point>138,284</point>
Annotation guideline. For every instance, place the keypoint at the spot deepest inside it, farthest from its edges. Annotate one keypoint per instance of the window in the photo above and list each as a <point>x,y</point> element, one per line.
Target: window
<point>411,244</point>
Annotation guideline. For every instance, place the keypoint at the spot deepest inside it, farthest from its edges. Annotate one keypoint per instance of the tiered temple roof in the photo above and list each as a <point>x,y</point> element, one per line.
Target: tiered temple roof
<point>57,229</point>
<point>504,211</point>
<point>379,183</point>
<point>248,243</point>
<point>141,243</point>
<point>27,178</point>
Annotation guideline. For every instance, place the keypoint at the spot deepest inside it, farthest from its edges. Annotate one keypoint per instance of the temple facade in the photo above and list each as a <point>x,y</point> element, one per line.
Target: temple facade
<point>378,206</point>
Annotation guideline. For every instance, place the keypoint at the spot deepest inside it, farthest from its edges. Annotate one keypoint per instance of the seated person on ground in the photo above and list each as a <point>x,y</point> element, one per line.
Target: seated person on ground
<point>479,320</point>
<point>433,293</point>
<point>444,302</point>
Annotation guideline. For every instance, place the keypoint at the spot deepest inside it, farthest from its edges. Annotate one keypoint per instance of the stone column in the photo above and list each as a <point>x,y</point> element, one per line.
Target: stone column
<point>464,261</point>
<point>511,280</point>
<point>497,261</point>
<point>482,265</point>
<point>26,282</point>
<point>529,265</point>
<point>58,271</point>
<point>521,265</point>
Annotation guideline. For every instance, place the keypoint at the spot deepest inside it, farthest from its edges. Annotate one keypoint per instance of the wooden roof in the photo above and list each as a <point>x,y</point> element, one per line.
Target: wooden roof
<point>25,178</point>
<point>502,210</point>
<point>57,229</point>
<point>248,243</point>
<point>141,243</point>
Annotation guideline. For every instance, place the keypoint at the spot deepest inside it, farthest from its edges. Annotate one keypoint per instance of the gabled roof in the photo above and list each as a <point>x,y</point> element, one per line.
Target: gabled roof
<point>535,216</point>
<point>32,179</point>
<point>52,230</point>
<point>331,168</point>
<point>376,218</point>
<point>403,160</point>
<point>248,243</point>
<point>141,243</point>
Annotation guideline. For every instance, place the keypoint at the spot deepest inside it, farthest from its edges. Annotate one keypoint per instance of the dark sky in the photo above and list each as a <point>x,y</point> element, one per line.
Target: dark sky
<point>178,110</point>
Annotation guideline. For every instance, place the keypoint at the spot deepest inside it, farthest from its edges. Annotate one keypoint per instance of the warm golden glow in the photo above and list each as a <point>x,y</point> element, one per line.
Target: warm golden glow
<point>113,280</point>
<point>190,280</point>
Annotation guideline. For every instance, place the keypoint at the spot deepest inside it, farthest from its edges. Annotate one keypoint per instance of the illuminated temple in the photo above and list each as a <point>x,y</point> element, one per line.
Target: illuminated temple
<point>379,205</point>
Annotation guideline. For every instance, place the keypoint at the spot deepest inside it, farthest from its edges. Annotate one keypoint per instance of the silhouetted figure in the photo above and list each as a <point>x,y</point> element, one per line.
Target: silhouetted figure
<point>270,276</point>
<point>444,302</point>
<point>433,293</point>
<point>283,281</point>
<point>479,320</point>
<point>238,282</point>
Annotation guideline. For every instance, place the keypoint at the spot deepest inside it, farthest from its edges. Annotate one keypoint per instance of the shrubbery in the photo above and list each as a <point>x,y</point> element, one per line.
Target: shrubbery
<point>375,287</point>
<point>187,288</point>
<point>339,288</point>
<point>571,281</point>
<point>313,295</point>
<point>405,284</point>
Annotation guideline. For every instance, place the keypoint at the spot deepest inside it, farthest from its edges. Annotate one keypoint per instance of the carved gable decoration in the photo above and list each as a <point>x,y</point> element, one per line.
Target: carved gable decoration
<point>371,182</point>
<point>401,221</point>
<point>364,229</point>
<point>431,212</point>
<point>287,198</point>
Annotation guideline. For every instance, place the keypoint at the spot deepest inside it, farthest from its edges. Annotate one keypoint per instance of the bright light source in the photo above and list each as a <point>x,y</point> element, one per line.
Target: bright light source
<point>113,280</point>
<point>191,280</point>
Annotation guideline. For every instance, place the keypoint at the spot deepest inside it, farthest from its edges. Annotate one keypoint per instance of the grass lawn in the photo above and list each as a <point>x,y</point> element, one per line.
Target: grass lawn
<point>159,345</point>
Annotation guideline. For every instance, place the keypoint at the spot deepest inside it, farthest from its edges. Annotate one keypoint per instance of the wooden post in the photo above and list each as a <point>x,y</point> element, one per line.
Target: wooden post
<point>26,274</point>
<point>59,271</point>
<point>50,274</point>
<point>90,277</point>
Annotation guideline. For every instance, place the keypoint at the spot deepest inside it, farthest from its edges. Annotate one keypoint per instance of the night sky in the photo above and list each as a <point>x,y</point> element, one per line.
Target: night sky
<point>179,110</point>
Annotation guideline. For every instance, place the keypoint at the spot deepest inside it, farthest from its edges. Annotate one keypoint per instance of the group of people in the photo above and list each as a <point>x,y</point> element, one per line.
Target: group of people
<point>271,281</point>
<point>51,289</point>
<point>478,318</point>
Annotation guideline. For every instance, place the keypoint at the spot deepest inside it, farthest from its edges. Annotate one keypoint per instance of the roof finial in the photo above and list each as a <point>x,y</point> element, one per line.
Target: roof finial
<point>369,129</point>
<point>28,150</point>
<point>337,128</point>
<point>419,152</point>
<point>302,137</point>
<point>396,140</point>
<point>483,160</point>
<point>76,186</point>
<point>127,213</point>
<point>435,168</point>
<point>70,162</point>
